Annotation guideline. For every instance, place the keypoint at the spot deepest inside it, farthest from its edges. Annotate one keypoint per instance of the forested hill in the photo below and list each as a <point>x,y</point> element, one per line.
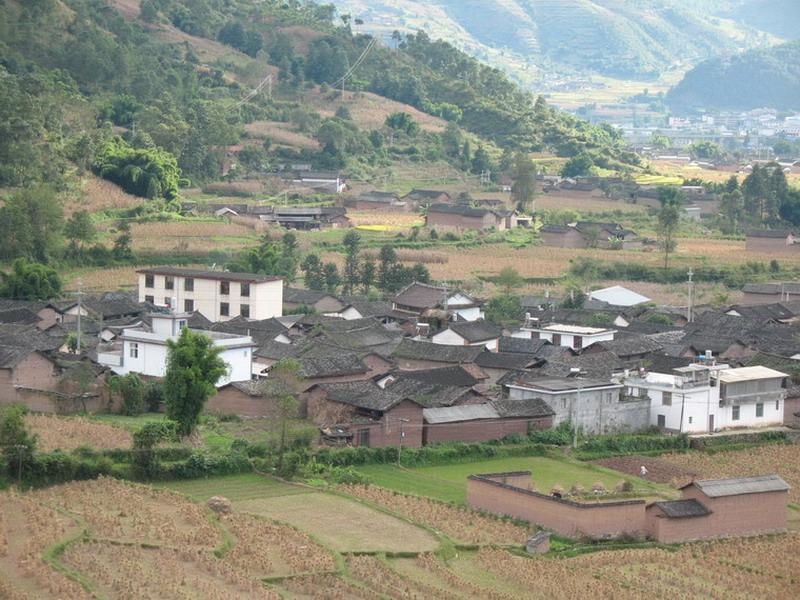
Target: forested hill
<point>172,77</point>
<point>758,78</point>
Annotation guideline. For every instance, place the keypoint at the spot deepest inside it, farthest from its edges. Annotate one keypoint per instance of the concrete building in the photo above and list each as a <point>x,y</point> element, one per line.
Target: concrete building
<point>698,398</point>
<point>144,351</point>
<point>217,295</point>
<point>594,405</point>
<point>568,336</point>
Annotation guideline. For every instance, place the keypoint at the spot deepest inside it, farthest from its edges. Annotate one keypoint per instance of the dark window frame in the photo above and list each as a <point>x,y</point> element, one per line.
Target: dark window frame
<point>244,310</point>
<point>188,305</point>
<point>188,284</point>
<point>244,290</point>
<point>225,288</point>
<point>224,309</point>
<point>149,281</point>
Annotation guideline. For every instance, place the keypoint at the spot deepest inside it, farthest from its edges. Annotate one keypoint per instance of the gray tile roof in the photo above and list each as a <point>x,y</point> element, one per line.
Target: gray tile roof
<point>333,365</point>
<point>11,356</point>
<point>718,488</point>
<point>681,509</point>
<point>303,296</point>
<point>453,376</point>
<point>770,233</point>
<point>23,316</point>
<point>277,350</point>
<point>413,350</point>
<point>420,296</point>
<point>630,345</point>
<point>505,360</point>
<point>522,345</point>
<point>530,407</point>
<point>476,331</point>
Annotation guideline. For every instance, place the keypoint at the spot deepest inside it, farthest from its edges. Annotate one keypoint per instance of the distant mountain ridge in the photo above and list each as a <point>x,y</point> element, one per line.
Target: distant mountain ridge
<point>767,77</point>
<point>618,38</point>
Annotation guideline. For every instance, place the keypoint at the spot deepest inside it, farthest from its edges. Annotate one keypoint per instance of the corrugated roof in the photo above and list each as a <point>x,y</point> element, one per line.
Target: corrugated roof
<point>718,488</point>
<point>681,509</point>
<point>748,374</point>
<point>452,414</point>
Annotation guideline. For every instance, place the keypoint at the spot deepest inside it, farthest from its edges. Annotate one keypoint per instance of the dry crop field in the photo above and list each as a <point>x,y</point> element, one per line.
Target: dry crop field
<point>111,539</point>
<point>55,432</point>
<point>281,134</point>
<point>781,459</point>
<point>190,236</point>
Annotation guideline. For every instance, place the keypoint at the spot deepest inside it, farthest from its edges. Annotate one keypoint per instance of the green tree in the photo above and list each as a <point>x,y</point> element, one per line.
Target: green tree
<point>732,209</point>
<point>284,385</point>
<point>505,308</point>
<point>481,162</point>
<point>193,369</point>
<point>523,191</point>
<point>30,281</point>
<point>367,274</point>
<point>509,280</point>
<point>402,121</point>
<point>331,277</point>
<point>313,272</point>
<point>352,245</point>
<point>669,216</point>
<point>31,222</point>
<point>79,230</point>
<point>131,389</point>
<point>387,260</point>
<point>755,189</point>
<point>146,172</point>
<point>122,244</point>
<point>17,443</point>
<point>146,439</point>
<point>578,165</point>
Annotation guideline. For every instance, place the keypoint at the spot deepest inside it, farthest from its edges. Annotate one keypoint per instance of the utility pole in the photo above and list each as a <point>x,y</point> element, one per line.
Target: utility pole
<point>690,309</point>
<point>402,435</point>
<point>79,294</point>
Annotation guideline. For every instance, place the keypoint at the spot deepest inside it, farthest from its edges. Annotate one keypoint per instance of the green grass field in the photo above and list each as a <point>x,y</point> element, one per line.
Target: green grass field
<point>449,482</point>
<point>236,488</point>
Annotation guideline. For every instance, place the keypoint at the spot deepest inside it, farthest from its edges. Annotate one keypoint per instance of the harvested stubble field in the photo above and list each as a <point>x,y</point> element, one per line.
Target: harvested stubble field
<point>98,194</point>
<point>190,236</point>
<point>763,460</point>
<point>103,280</point>
<point>112,539</point>
<point>395,219</point>
<point>55,432</point>
<point>583,202</point>
<point>281,134</point>
<point>457,522</point>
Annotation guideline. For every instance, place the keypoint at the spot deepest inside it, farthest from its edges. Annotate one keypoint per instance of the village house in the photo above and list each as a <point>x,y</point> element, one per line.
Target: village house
<point>617,295</point>
<point>307,217</point>
<point>144,350</point>
<point>469,333</point>
<point>376,201</point>
<point>321,181</point>
<point>422,299</point>
<point>568,336</point>
<point>320,302</point>
<point>417,198</point>
<point>595,406</point>
<point>770,241</point>
<point>706,398</point>
<point>412,354</point>
<point>483,422</point>
<point>460,216</point>
<point>218,295</point>
<point>770,293</point>
<point>589,234</point>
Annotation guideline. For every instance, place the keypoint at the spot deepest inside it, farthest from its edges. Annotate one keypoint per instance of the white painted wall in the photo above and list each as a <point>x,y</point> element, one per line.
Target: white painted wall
<point>265,300</point>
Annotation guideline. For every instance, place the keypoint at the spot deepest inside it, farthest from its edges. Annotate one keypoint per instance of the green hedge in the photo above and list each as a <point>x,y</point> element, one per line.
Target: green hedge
<point>439,454</point>
<point>613,445</point>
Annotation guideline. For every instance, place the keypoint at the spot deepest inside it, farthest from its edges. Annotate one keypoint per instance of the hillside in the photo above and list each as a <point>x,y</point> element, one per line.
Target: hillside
<point>552,38</point>
<point>176,79</point>
<point>728,83</point>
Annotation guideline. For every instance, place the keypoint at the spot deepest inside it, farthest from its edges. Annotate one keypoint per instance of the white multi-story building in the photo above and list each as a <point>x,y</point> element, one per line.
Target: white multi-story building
<point>700,398</point>
<point>218,295</point>
<point>569,336</point>
<point>144,350</point>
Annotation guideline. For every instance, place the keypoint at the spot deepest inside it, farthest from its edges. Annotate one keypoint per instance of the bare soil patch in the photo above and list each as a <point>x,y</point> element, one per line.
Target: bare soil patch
<point>658,470</point>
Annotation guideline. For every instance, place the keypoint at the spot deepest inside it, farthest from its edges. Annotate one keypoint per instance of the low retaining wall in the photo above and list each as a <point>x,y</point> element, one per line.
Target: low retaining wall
<point>503,493</point>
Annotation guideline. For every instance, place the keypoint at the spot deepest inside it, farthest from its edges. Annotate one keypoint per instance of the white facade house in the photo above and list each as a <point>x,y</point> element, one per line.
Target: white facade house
<point>144,351</point>
<point>470,333</point>
<point>218,295</point>
<point>568,336</point>
<point>704,399</point>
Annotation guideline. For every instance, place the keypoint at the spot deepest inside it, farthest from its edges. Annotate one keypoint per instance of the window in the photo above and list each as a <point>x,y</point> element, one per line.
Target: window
<point>556,339</point>
<point>577,342</point>
<point>169,283</point>
<point>224,287</point>
<point>245,290</point>
<point>735,413</point>
<point>666,398</point>
<point>760,409</point>
<point>777,404</point>
<point>188,284</point>
<point>363,437</point>
<point>168,302</point>
<point>188,306</point>
<point>244,310</point>
<point>150,299</point>
<point>134,350</point>
<point>224,309</point>
<point>149,281</point>
<point>690,420</point>
<point>662,421</point>
<point>181,324</point>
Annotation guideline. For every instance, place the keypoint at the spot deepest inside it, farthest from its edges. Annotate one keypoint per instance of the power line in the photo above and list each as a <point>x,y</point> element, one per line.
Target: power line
<point>351,70</point>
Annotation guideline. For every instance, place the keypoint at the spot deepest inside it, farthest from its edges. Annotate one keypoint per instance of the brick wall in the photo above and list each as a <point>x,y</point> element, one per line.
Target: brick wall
<point>791,406</point>
<point>568,239</point>
<point>387,431</point>
<point>230,400</point>
<point>482,430</point>
<point>571,519</point>
<point>747,514</point>
<point>445,220</point>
